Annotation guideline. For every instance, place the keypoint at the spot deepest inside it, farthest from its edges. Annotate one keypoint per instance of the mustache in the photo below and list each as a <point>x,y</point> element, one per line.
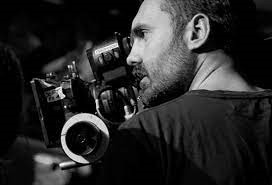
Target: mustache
<point>139,72</point>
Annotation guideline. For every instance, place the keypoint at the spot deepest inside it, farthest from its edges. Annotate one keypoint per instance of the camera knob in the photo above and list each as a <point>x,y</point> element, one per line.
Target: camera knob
<point>101,60</point>
<point>116,54</point>
<point>108,57</point>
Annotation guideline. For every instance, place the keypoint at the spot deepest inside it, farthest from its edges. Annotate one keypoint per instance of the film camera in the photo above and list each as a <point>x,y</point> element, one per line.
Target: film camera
<point>79,115</point>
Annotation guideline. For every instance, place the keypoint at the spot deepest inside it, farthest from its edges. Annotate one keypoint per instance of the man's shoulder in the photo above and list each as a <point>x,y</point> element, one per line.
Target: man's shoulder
<point>176,112</point>
<point>198,106</point>
<point>189,102</point>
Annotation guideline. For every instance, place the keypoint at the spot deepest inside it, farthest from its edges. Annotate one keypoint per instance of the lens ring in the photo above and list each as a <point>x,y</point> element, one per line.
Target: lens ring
<point>82,138</point>
<point>101,146</point>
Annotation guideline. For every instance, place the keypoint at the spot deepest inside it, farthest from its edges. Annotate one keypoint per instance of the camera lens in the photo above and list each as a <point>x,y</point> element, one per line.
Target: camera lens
<point>82,138</point>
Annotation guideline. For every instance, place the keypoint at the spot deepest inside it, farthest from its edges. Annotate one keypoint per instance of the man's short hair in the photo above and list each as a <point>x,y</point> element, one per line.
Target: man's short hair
<point>11,96</point>
<point>232,21</point>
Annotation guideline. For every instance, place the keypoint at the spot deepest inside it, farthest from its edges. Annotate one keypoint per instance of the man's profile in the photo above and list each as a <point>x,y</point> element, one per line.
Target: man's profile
<point>205,122</point>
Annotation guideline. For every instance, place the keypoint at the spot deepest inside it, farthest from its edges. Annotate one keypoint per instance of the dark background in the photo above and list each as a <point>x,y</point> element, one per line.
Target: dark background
<point>42,31</point>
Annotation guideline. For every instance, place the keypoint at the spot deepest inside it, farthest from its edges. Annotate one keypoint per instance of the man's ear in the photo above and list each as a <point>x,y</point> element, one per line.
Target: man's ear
<point>197,31</point>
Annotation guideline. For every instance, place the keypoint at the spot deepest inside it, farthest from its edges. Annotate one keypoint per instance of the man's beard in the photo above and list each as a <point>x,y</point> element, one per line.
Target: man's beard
<point>171,76</point>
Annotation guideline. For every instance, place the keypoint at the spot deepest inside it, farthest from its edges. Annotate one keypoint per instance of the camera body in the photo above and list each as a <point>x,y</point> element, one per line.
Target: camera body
<point>78,115</point>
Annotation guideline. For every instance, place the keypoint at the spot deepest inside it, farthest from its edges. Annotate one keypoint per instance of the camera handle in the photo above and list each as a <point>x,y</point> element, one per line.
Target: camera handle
<point>65,165</point>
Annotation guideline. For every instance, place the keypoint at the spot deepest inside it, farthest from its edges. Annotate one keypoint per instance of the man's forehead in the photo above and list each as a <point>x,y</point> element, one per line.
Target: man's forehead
<point>148,12</point>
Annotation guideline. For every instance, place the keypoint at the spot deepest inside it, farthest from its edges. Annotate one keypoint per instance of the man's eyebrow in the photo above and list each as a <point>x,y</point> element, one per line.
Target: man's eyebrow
<point>137,28</point>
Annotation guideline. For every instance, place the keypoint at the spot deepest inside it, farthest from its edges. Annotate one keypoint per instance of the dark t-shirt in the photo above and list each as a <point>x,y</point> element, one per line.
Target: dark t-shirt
<point>203,137</point>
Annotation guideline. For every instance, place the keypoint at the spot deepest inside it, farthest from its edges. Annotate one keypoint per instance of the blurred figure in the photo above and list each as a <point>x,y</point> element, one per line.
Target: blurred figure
<point>20,160</point>
<point>11,98</point>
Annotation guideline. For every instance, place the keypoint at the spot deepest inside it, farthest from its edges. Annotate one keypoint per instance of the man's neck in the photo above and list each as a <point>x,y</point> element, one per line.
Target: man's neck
<point>215,71</point>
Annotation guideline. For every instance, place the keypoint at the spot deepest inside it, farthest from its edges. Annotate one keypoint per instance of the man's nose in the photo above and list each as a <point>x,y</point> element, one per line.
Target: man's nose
<point>134,58</point>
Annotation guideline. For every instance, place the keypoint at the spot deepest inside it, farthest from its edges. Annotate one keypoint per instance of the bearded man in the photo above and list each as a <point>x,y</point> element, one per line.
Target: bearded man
<point>204,122</point>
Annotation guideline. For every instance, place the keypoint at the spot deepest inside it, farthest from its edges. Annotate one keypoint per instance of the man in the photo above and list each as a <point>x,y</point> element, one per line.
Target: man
<point>206,124</point>
<point>11,97</point>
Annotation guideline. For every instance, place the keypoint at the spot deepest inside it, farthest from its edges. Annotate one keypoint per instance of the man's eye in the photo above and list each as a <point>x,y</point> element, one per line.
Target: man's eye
<point>139,34</point>
<point>143,33</point>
